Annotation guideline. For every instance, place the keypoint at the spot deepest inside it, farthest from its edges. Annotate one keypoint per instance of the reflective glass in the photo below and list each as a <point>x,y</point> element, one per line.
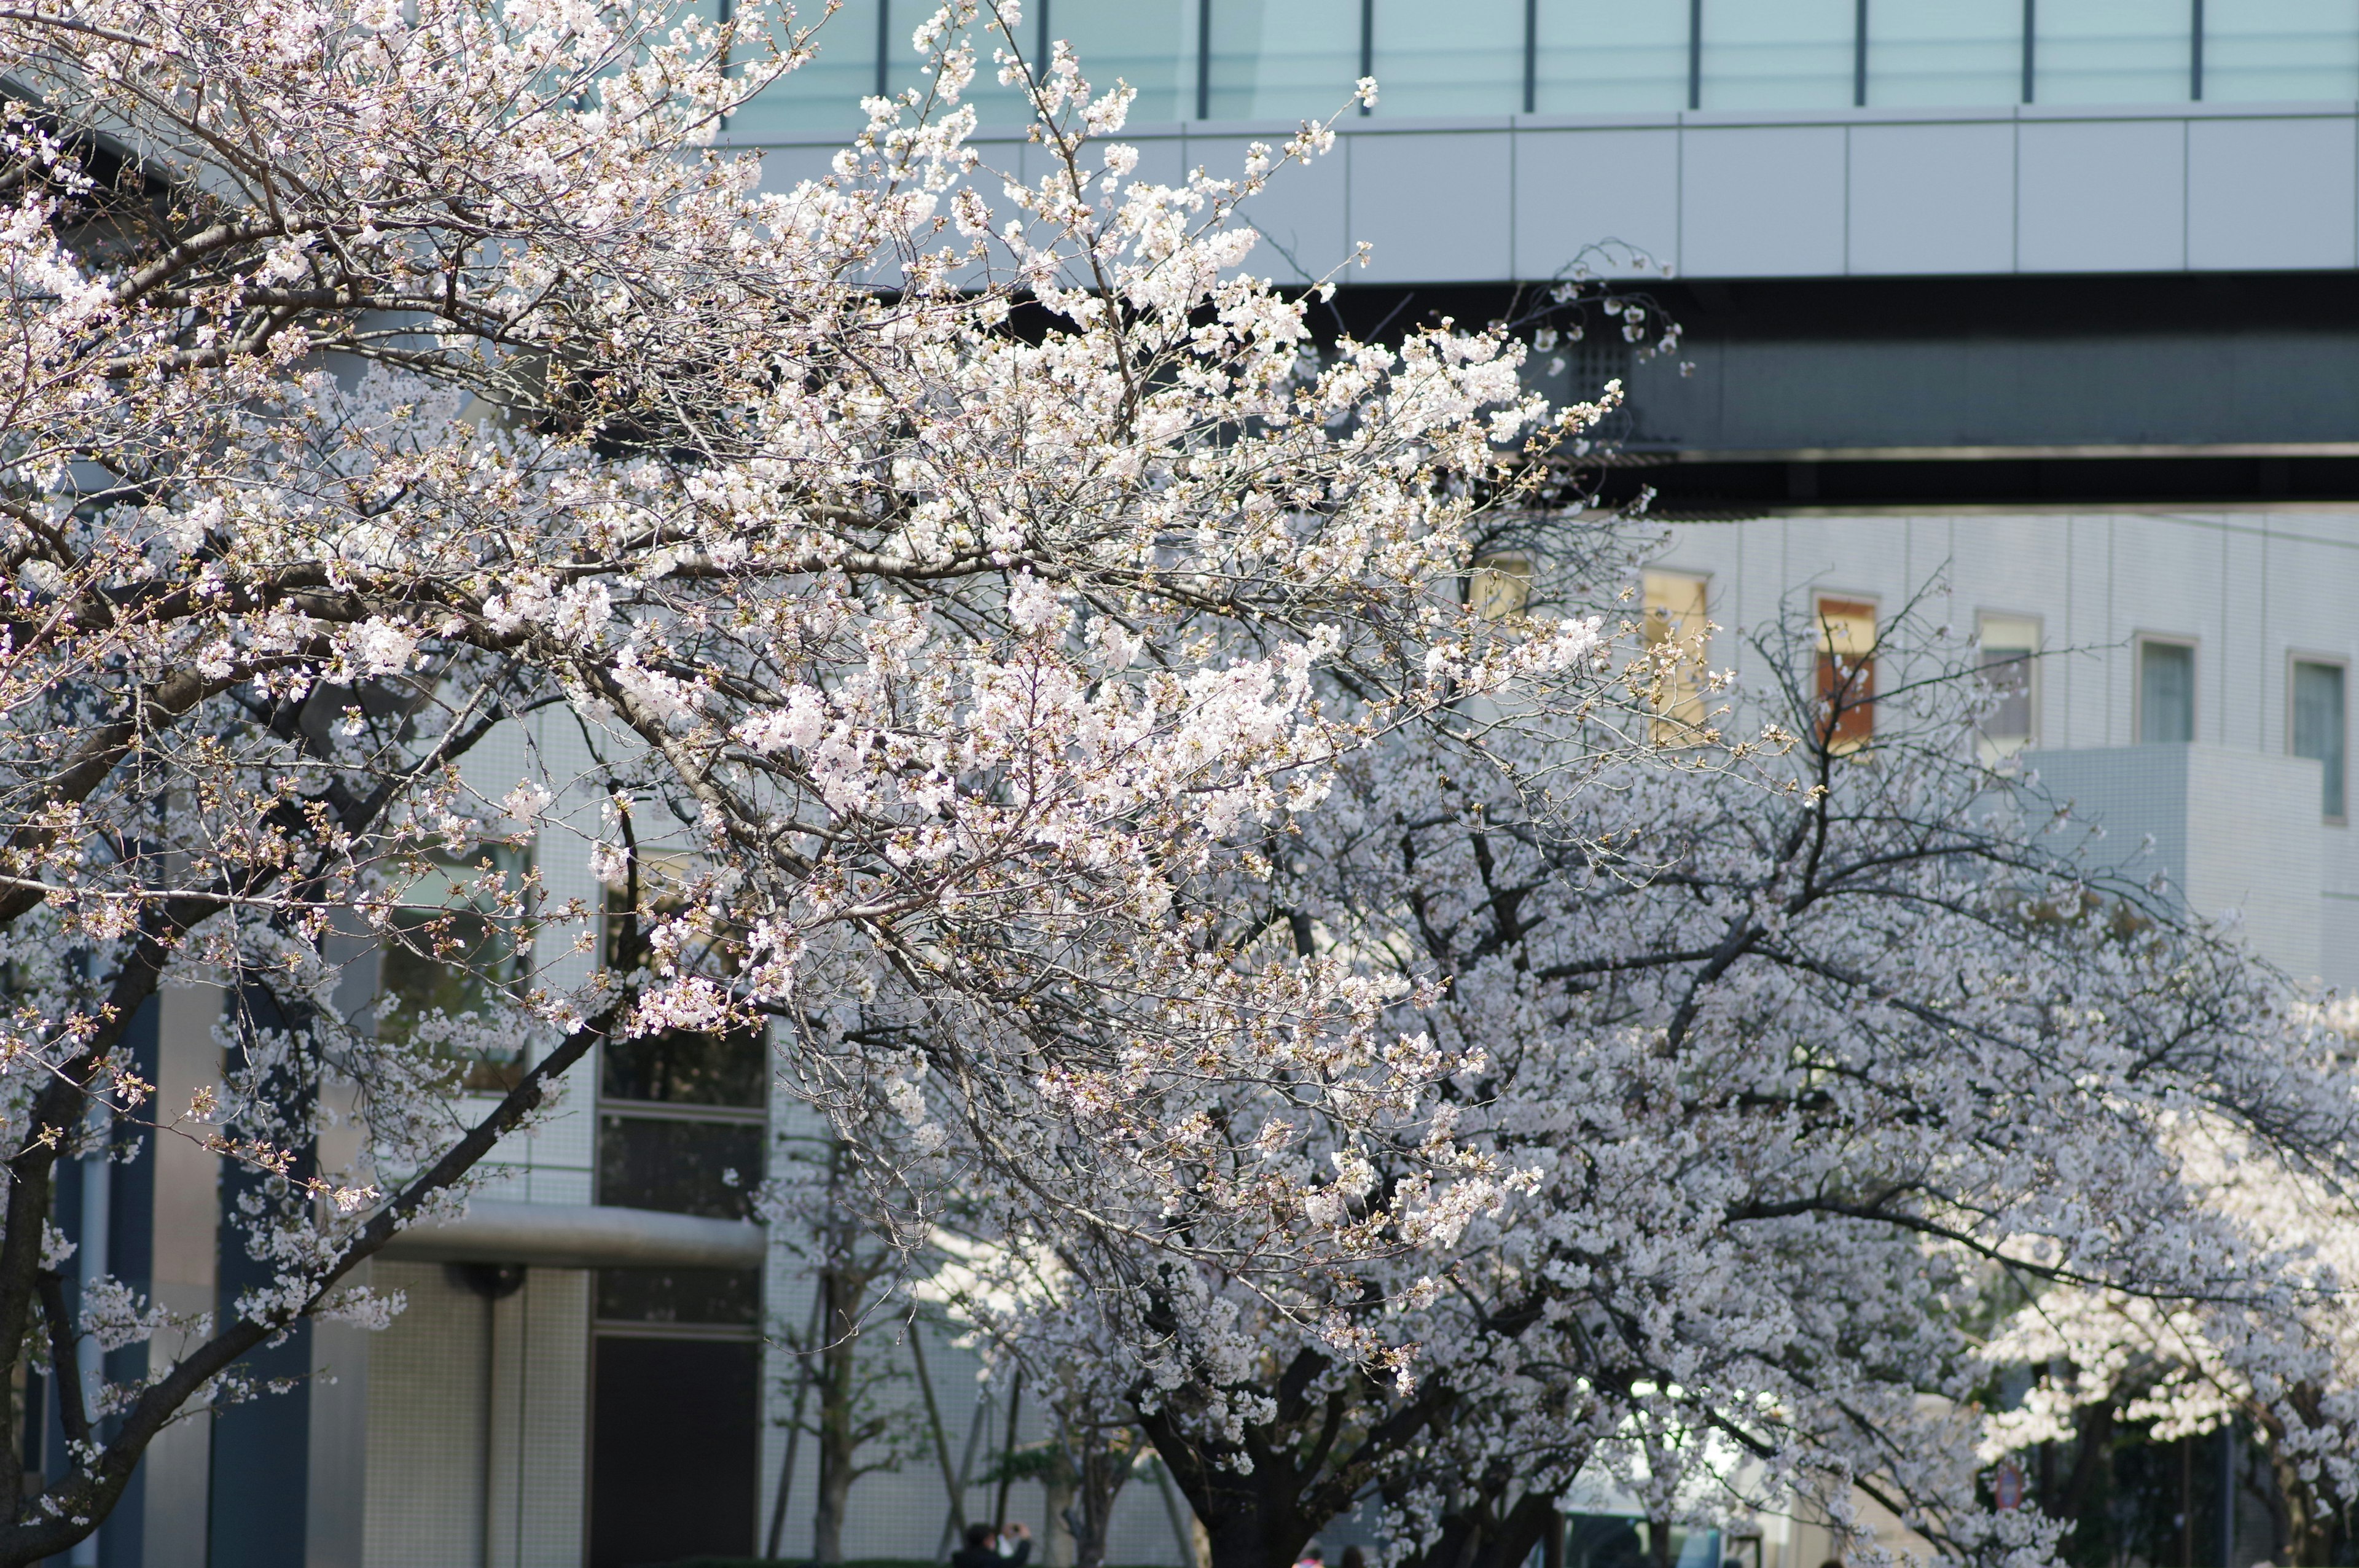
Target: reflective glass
<point>679,1295</point>
<point>2166,693</point>
<point>1463,58</point>
<point>1944,53</point>
<point>1609,57</point>
<point>824,92</point>
<point>1151,44</point>
<point>681,1167</point>
<point>1283,59</point>
<point>2319,720</point>
<point>1777,54</point>
<point>2256,50</point>
<point>2112,51</point>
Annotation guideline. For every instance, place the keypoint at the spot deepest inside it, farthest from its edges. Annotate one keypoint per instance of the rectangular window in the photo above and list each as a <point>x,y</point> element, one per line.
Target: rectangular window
<point>2113,51</point>
<point>2261,49</point>
<point>2320,721</point>
<point>1500,586</point>
<point>1846,683</point>
<point>1466,58</point>
<point>1603,56</point>
<point>1679,636</point>
<point>2166,692</point>
<point>1779,54</point>
<point>824,93</point>
<point>2004,656</point>
<point>1150,44</point>
<point>1948,53</point>
<point>1284,59</point>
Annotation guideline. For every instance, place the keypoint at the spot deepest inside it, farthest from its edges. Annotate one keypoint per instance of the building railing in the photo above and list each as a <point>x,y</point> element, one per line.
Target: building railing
<point>1286,60</point>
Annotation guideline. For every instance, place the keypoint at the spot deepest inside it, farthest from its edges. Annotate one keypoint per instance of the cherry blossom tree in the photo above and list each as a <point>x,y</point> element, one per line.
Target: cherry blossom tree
<point>946,578</point>
<point>1790,1062</point>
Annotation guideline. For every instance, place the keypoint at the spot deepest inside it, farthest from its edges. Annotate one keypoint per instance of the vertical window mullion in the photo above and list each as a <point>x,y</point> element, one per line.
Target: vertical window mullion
<point>1859,57</point>
<point>1204,60</point>
<point>883,47</point>
<point>1695,53</point>
<point>2195,50</point>
<point>1367,43</point>
<point>1531,54</point>
<point>2030,44</point>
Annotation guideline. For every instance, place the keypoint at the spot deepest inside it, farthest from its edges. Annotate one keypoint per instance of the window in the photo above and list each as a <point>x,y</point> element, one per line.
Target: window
<point>1500,586</point>
<point>1778,54</point>
<point>2319,727</point>
<point>682,1128</point>
<point>1847,685</point>
<point>452,951</point>
<point>2166,692</point>
<point>1945,52</point>
<point>2112,51</point>
<point>1466,58</point>
<point>1282,59</point>
<point>2255,49</point>
<point>1611,56</point>
<point>1679,636</point>
<point>2005,647</point>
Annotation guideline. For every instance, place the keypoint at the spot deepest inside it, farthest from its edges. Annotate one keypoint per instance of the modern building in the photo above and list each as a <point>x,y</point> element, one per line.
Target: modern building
<point>2053,304</point>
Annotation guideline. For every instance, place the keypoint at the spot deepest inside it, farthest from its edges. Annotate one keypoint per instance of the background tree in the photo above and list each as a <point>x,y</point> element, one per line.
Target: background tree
<point>1785,1057</point>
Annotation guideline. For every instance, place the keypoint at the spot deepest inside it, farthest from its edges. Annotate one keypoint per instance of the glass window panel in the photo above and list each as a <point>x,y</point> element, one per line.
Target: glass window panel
<point>1464,59</point>
<point>1846,684</point>
<point>1777,54</point>
<point>678,1066</point>
<point>2008,645</point>
<point>1283,59</point>
<point>2166,693</point>
<point>1151,44</point>
<point>1678,633</point>
<point>1598,57</point>
<point>1944,53</point>
<point>824,92</point>
<point>679,1295</point>
<point>2112,51</point>
<point>2259,49</point>
<point>680,1167</point>
<point>2319,718</point>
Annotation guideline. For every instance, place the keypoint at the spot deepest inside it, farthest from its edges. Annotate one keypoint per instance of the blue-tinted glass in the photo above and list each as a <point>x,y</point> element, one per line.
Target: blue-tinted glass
<point>2260,49</point>
<point>1151,44</point>
<point>824,92</point>
<point>1283,59</point>
<point>2318,727</point>
<point>2166,693</point>
<point>1466,58</point>
<point>1611,56</point>
<point>1778,54</point>
<point>2113,51</point>
<point>1944,53</point>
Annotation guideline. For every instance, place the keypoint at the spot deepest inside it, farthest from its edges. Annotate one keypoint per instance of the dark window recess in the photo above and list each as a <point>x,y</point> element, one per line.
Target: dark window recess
<point>674,1450</point>
<point>445,960</point>
<point>677,1067</point>
<point>730,1297</point>
<point>681,1167</point>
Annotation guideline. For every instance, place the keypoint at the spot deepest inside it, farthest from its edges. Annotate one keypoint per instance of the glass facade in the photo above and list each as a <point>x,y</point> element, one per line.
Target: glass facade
<point>1610,57</point>
<point>1292,59</point>
<point>1947,54</point>
<point>1463,58</point>
<point>1778,54</point>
